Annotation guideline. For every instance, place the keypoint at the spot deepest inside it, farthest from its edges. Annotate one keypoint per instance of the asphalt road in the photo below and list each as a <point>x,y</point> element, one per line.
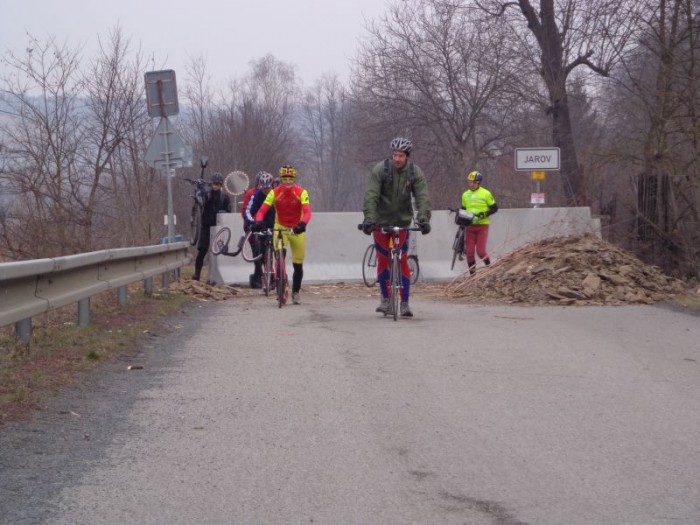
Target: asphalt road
<point>327,413</point>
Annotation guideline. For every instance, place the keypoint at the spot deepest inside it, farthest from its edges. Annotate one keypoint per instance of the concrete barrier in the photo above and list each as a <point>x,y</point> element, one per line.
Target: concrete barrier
<point>334,245</point>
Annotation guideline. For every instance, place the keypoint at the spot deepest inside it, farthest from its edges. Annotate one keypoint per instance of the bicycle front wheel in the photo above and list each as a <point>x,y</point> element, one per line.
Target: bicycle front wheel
<point>415,268</point>
<point>195,224</point>
<point>457,246</point>
<point>247,249</point>
<point>369,266</point>
<point>280,278</point>
<point>395,283</point>
<point>219,244</point>
<point>268,269</point>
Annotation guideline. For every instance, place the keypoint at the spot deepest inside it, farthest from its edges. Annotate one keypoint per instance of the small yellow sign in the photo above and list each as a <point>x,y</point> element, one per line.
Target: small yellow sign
<point>538,175</point>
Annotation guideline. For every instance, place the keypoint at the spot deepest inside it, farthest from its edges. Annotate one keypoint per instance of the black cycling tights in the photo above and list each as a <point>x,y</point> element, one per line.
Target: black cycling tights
<point>297,277</point>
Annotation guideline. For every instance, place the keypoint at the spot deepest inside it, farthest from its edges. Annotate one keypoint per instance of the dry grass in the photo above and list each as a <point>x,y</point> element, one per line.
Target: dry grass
<point>60,351</point>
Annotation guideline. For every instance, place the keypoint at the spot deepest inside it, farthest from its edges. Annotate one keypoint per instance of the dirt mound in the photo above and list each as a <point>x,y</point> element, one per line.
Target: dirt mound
<point>568,271</point>
<point>204,291</point>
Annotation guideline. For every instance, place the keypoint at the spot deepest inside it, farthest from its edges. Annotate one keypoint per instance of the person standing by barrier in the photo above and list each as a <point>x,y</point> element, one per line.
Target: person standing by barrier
<point>390,187</point>
<point>293,210</point>
<point>264,184</point>
<point>246,199</point>
<point>481,203</point>
<point>215,202</point>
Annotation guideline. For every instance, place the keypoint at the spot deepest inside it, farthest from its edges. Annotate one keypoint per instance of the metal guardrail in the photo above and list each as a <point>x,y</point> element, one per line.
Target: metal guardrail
<point>29,288</point>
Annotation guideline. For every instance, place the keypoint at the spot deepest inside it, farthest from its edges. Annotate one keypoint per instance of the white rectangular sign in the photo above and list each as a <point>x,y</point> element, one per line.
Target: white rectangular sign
<point>537,198</point>
<point>536,159</point>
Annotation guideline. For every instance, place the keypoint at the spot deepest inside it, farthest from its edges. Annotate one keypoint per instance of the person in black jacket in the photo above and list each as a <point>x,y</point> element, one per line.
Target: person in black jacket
<point>215,202</point>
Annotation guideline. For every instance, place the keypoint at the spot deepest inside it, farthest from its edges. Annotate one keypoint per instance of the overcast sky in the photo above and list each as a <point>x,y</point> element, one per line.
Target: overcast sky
<point>316,36</point>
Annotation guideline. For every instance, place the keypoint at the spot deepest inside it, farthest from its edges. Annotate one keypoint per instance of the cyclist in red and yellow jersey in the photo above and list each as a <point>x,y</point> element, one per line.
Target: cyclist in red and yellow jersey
<point>292,210</point>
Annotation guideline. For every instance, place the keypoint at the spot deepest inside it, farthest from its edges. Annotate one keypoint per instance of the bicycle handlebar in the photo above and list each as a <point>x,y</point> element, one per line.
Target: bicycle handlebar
<point>198,182</point>
<point>390,229</point>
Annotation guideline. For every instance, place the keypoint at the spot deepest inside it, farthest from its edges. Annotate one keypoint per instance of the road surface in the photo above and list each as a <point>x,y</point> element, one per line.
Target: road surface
<point>327,413</point>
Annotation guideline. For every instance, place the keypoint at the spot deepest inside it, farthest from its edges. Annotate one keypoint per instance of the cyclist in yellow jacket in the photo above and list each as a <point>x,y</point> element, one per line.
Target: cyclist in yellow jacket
<point>480,202</point>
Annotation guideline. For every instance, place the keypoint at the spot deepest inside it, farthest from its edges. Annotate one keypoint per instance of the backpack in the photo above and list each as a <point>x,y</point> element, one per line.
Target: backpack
<point>386,175</point>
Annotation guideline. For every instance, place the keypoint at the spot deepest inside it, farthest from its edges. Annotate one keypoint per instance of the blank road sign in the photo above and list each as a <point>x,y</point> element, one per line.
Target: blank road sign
<point>536,159</point>
<point>161,93</point>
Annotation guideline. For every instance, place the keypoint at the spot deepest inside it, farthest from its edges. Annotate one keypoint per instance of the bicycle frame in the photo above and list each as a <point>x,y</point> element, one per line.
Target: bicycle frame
<point>395,281</point>
<point>458,243</point>
<point>369,265</point>
<point>197,202</point>
<point>280,266</point>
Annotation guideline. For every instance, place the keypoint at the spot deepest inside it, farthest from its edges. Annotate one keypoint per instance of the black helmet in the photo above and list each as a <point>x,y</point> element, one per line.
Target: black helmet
<point>217,178</point>
<point>401,144</point>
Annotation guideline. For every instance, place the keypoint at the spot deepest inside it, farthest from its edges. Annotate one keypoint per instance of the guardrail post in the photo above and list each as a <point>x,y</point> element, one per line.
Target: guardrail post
<point>148,286</point>
<point>121,296</point>
<point>23,330</point>
<point>84,312</point>
<point>166,280</point>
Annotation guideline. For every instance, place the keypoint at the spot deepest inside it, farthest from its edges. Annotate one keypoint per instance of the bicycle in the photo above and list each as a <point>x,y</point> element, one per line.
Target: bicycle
<point>197,202</point>
<point>463,218</point>
<point>221,240</point>
<point>280,265</point>
<point>369,266</point>
<point>266,253</point>
<point>395,284</point>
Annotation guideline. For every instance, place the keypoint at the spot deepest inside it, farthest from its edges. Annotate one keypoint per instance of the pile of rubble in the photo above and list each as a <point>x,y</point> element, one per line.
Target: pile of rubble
<point>203,291</point>
<point>568,271</point>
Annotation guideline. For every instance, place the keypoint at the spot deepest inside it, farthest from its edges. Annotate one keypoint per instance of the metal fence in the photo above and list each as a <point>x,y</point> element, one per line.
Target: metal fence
<point>29,288</point>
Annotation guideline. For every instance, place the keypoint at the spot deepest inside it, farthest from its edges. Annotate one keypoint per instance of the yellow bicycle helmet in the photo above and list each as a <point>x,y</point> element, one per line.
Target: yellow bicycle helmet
<point>288,171</point>
<point>475,176</point>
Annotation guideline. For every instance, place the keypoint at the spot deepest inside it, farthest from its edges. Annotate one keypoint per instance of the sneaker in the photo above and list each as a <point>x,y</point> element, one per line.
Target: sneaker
<point>383,307</point>
<point>195,277</point>
<point>405,310</point>
<point>295,298</point>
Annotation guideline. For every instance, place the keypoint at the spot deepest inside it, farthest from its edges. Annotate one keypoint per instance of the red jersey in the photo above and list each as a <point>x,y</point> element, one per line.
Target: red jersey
<point>291,205</point>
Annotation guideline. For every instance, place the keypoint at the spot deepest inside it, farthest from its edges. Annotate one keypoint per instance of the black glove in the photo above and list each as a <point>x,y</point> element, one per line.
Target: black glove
<point>257,226</point>
<point>367,227</point>
<point>424,227</point>
<point>299,228</point>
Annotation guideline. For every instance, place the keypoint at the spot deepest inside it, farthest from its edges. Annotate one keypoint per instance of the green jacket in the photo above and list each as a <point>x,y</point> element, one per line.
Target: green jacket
<point>389,203</point>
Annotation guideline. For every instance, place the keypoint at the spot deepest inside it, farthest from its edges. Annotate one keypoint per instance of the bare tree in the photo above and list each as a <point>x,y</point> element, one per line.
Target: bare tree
<point>433,71</point>
<point>42,135</point>
<point>326,135</point>
<point>118,194</point>
<point>655,102</point>
<point>568,34</point>
<point>200,100</point>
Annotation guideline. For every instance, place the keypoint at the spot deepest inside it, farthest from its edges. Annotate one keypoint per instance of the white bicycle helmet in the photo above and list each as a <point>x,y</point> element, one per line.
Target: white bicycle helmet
<point>401,144</point>
<point>265,180</point>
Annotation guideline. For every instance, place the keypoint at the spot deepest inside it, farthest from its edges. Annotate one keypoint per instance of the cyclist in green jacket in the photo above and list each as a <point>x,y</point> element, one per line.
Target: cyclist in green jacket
<point>390,187</point>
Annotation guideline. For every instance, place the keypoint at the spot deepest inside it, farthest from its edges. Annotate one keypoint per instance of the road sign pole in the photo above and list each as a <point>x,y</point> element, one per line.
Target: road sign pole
<point>166,170</point>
